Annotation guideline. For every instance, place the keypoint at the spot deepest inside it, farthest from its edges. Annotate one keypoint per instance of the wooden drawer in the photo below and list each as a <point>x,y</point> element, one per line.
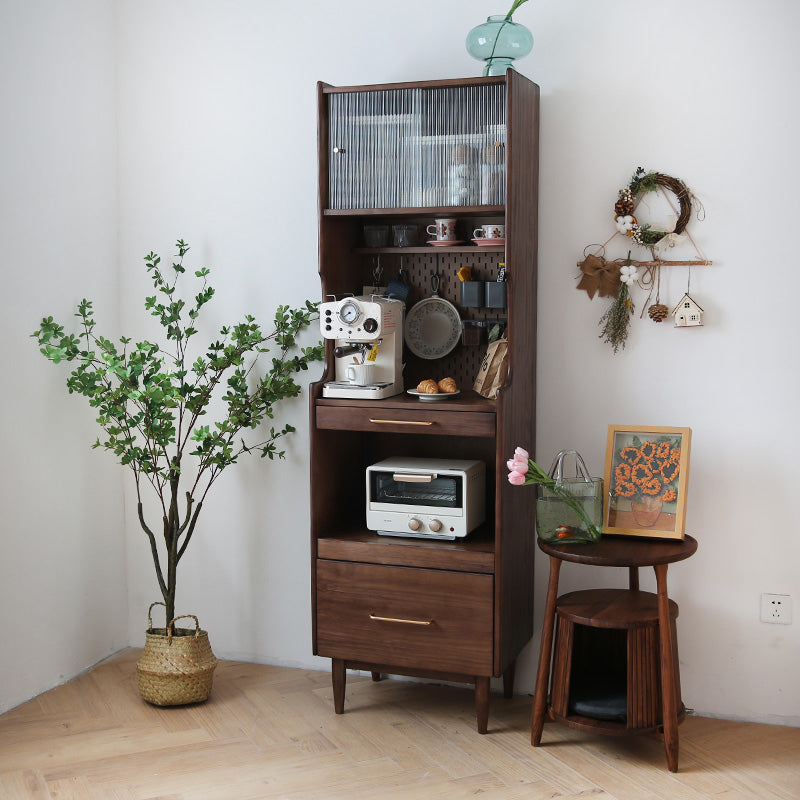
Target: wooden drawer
<point>406,420</point>
<point>405,617</point>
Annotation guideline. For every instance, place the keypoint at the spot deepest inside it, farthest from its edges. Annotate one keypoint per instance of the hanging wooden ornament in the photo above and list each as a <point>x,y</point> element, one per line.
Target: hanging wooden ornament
<point>687,311</point>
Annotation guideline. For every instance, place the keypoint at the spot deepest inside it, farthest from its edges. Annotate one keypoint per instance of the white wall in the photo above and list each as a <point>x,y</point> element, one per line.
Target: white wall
<point>63,597</point>
<point>217,134</point>
<point>702,96</point>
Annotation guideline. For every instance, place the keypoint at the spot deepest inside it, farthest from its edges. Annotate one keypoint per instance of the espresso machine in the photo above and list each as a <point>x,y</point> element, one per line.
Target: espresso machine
<point>368,350</point>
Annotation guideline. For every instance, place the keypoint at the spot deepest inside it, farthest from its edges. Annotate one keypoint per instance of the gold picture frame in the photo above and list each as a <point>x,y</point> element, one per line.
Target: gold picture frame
<point>646,477</point>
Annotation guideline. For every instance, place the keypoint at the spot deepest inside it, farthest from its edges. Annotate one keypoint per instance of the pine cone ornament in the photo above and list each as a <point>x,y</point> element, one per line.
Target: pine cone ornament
<point>623,207</point>
<point>657,312</point>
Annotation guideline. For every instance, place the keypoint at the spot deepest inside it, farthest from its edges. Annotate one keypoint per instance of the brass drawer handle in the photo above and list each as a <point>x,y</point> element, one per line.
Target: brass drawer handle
<point>404,621</point>
<point>399,422</point>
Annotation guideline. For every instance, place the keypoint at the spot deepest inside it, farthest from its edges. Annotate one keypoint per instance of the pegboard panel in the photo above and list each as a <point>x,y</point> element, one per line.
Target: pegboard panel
<point>463,362</point>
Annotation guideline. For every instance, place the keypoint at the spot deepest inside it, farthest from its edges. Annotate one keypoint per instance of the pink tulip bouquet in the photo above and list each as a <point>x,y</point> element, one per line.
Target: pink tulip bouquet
<point>577,524</point>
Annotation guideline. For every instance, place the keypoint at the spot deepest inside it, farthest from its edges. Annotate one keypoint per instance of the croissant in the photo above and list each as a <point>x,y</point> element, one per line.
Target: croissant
<point>428,387</point>
<point>447,385</point>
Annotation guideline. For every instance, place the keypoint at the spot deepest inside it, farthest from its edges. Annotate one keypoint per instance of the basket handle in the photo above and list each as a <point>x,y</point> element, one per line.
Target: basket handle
<point>150,613</point>
<point>557,467</point>
<point>175,619</point>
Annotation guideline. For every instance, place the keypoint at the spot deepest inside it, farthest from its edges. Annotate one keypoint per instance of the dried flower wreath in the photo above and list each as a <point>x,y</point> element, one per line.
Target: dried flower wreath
<point>643,182</point>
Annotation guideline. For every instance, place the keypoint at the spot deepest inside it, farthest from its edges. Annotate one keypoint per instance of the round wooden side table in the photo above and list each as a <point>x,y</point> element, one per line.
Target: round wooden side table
<point>635,627</point>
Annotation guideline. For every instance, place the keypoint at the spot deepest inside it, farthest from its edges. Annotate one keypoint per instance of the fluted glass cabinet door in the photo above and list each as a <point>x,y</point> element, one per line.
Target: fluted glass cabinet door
<point>417,147</point>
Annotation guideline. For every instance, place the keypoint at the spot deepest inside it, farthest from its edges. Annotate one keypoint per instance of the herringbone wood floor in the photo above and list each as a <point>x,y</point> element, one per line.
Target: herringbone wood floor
<point>270,732</point>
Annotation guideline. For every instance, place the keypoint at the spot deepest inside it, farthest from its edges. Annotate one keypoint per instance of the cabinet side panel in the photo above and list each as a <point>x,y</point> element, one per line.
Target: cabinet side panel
<point>517,402</point>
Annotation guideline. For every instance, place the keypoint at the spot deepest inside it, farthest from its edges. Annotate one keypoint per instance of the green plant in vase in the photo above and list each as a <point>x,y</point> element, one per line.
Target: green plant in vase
<point>577,515</point>
<point>153,400</point>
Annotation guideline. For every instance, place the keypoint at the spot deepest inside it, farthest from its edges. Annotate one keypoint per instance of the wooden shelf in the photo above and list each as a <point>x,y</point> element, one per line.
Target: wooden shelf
<point>467,400</point>
<point>475,553</point>
<point>458,248</point>
<point>417,211</point>
<point>418,606</point>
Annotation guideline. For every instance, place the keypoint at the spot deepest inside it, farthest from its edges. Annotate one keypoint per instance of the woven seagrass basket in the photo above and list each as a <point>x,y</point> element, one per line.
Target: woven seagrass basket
<point>177,665</point>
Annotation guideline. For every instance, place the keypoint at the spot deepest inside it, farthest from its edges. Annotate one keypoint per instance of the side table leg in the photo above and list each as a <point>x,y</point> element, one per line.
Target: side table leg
<point>633,579</point>
<point>669,707</point>
<point>508,680</point>
<point>338,679</point>
<point>545,654</point>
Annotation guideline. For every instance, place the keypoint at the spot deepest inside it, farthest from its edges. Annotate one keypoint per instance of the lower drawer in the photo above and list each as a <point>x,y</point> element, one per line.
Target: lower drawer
<point>405,617</point>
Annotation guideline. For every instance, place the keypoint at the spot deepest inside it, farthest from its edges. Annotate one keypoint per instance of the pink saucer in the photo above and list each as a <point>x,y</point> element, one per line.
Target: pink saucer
<point>437,243</point>
<point>486,242</point>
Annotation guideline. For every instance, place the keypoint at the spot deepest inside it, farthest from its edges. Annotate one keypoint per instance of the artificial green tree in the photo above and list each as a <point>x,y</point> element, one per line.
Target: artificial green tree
<point>152,401</point>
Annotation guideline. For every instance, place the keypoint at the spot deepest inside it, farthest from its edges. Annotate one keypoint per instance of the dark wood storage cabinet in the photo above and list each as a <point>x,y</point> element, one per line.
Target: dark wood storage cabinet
<point>451,610</point>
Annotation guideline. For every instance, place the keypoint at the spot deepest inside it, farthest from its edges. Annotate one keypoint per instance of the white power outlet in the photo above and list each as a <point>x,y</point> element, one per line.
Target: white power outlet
<point>776,608</point>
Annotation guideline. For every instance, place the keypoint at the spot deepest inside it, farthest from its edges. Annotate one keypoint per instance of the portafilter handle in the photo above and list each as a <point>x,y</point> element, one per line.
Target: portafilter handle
<point>347,349</point>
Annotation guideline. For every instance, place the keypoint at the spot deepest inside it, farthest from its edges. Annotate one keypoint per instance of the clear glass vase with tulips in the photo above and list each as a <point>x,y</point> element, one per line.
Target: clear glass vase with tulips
<point>566,512</point>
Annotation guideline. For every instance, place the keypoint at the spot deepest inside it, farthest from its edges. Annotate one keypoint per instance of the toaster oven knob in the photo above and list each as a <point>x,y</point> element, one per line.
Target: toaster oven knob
<point>414,524</point>
<point>435,525</point>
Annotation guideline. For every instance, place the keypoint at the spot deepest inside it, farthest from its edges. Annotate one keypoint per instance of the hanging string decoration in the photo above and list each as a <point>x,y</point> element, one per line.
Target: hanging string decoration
<point>607,278</point>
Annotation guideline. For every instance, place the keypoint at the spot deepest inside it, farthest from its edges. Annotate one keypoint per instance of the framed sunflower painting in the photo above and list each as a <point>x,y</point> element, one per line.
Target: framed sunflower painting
<point>647,473</point>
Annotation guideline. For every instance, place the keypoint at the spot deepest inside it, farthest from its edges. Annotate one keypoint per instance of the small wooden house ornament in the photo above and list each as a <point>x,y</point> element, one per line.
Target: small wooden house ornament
<point>687,313</point>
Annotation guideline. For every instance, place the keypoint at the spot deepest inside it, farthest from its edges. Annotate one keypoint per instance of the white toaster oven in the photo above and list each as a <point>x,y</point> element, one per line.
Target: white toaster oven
<point>433,498</point>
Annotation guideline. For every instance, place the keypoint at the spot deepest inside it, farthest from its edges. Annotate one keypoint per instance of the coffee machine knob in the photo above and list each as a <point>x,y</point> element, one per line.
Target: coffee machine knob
<point>370,325</point>
<point>435,525</point>
<point>414,524</point>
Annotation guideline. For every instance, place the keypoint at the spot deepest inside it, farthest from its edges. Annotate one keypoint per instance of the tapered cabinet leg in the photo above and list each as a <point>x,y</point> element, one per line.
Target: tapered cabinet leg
<point>376,676</point>
<point>482,703</point>
<point>338,679</point>
<point>543,674</point>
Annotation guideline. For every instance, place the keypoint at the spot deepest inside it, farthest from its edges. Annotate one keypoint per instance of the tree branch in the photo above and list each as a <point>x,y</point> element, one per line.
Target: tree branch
<point>191,530</point>
<point>154,549</point>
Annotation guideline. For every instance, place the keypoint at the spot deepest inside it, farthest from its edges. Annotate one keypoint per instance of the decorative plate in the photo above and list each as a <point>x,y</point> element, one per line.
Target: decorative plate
<point>433,328</point>
<point>438,243</point>
<point>485,242</point>
<point>432,398</point>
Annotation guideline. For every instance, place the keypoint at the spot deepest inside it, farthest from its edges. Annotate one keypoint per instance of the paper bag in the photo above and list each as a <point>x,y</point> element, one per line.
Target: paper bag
<point>492,372</point>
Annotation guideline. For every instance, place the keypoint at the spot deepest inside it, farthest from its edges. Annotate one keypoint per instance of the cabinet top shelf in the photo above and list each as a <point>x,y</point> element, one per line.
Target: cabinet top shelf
<point>419,211</point>
<point>468,400</point>
<point>467,248</point>
<point>433,84</point>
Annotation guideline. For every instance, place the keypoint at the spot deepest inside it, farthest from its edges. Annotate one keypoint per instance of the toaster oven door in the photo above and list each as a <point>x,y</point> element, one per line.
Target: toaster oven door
<point>417,490</point>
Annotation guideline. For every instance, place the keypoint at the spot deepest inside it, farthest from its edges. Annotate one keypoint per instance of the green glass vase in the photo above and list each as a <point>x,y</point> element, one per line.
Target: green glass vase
<point>498,42</point>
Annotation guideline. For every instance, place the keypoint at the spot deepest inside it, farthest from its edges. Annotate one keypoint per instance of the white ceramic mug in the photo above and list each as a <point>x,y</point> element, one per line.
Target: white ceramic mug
<point>490,232</point>
<point>361,374</point>
<point>444,230</point>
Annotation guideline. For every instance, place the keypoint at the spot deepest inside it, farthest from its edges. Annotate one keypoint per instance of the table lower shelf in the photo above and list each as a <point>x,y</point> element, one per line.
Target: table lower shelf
<point>606,659</point>
<point>607,727</point>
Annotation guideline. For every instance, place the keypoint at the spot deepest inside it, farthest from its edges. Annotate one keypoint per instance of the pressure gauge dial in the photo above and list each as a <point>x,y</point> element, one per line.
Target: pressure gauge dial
<point>349,312</point>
